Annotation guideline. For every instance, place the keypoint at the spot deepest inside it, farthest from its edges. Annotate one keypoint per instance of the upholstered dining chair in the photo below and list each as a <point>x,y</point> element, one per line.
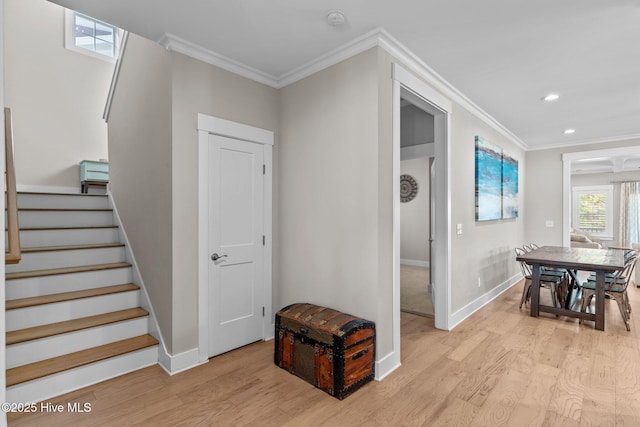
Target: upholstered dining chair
<point>551,281</point>
<point>615,287</point>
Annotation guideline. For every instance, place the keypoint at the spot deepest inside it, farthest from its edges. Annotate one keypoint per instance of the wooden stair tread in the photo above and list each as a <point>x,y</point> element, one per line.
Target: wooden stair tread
<point>86,227</point>
<point>58,364</point>
<point>43,331</point>
<point>65,209</point>
<point>61,194</point>
<point>65,270</point>
<point>68,296</point>
<point>71,247</point>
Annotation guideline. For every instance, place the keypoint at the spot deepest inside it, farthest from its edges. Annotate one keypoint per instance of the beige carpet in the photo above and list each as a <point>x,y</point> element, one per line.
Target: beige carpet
<point>414,297</point>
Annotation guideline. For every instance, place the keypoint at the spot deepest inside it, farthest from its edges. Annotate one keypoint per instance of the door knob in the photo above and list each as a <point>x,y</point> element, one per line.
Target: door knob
<point>216,257</point>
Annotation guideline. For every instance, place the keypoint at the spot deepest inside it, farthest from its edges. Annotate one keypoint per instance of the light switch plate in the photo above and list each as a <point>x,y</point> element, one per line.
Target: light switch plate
<point>549,223</point>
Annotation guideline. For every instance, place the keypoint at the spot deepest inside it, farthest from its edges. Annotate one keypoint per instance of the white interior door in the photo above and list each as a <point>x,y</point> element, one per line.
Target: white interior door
<point>236,245</point>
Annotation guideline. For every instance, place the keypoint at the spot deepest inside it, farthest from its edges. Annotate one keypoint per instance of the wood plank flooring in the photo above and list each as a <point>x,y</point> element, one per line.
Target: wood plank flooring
<point>498,368</point>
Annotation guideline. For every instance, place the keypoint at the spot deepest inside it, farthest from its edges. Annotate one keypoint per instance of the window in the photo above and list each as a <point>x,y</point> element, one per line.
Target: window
<point>593,210</point>
<point>90,36</point>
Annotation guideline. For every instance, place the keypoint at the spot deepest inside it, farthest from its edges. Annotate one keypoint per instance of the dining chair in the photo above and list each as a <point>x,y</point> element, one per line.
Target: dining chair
<point>551,281</point>
<point>562,289</point>
<point>615,287</point>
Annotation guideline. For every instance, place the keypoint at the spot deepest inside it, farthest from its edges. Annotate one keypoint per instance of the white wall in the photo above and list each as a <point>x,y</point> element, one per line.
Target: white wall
<point>328,179</point>
<point>57,96</point>
<point>153,144</point>
<point>336,152</point>
<point>414,215</point>
<point>140,168</point>
<point>3,378</point>
<point>482,256</point>
<point>198,87</point>
<point>416,126</point>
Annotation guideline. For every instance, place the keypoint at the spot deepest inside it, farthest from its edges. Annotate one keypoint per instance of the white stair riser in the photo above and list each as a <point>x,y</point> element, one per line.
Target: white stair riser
<point>35,286</point>
<point>64,382</point>
<point>72,258</point>
<point>57,345</point>
<point>64,218</point>
<point>53,201</point>
<point>59,312</point>
<point>81,236</point>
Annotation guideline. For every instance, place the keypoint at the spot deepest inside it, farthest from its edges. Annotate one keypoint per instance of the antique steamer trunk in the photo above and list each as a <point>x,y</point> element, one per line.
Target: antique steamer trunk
<point>332,350</point>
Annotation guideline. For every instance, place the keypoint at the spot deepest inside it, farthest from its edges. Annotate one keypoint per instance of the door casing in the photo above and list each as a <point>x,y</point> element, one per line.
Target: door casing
<point>216,126</point>
<point>407,85</point>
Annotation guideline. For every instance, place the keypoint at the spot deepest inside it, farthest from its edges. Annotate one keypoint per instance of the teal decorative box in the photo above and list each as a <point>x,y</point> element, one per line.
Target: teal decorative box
<point>93,173</point>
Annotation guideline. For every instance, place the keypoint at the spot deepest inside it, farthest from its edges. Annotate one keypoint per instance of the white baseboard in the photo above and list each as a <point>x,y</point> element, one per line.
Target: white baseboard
<point>475,305</point>
<point>174,364</point>
<point>271,334</point>
<point>48,189</point>
<point>386,365</point>
<point>415,263</point>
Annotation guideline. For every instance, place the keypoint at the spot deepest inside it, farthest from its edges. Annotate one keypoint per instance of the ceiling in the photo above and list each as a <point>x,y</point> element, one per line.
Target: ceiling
<point>613,164</point>
<point>504,55</point>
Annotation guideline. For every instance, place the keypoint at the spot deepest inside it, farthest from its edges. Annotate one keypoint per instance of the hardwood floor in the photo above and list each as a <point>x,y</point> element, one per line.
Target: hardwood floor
<point>414,296</point>
<point>499,367</point>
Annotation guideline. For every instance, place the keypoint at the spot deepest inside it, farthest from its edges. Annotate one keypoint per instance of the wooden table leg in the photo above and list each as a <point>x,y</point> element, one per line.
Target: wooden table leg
<point>535,290</point>
<point>600,300</point>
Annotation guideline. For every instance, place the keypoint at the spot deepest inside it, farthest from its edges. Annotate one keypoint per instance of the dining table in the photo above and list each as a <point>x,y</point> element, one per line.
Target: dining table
<point>600,261</point>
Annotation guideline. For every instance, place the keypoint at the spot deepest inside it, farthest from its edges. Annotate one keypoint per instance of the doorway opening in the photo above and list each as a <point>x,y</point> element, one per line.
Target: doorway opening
<point>606,166</point>
<point>414,90</point>
<point>416,235</point>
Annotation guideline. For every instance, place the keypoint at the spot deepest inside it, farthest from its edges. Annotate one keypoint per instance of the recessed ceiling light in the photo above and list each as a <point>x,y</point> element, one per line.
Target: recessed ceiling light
<point>569,131</point>
<point>551,97</point>
<point>335,18</point>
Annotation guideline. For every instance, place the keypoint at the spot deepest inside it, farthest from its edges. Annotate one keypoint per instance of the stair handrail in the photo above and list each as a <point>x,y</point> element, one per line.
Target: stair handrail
<point>116,73</point>
<point>13,253</point>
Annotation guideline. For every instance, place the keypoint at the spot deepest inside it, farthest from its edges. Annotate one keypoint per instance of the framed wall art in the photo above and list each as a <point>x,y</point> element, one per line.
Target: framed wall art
<point>496,182</point>
<point>488,180</point>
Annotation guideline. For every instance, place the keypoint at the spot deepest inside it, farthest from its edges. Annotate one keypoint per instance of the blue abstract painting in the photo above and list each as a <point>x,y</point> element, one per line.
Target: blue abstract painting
<point>496,182</point>
<point>488,180</point>
<point>509,187</point>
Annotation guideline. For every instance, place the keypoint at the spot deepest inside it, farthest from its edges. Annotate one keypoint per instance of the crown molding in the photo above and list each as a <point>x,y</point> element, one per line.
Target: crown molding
<point>377,37</point>
<point>585,142</point>
<point>185,47</point>
<point>346,51</point>
<point>411,61</point>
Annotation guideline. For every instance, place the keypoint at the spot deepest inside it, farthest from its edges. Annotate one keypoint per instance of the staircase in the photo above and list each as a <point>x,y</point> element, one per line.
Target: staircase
<point>73,317</point>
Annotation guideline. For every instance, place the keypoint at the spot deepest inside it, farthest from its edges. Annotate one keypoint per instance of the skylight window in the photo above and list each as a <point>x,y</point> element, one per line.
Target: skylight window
<point>90,36</point>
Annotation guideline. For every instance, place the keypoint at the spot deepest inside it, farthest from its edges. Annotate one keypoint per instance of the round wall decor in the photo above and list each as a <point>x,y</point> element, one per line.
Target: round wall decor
<point>408,188</point>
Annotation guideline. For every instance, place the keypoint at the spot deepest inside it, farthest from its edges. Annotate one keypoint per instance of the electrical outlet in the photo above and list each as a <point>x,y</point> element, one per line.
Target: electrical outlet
<point>549,223</point>
<point>479,282</point>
